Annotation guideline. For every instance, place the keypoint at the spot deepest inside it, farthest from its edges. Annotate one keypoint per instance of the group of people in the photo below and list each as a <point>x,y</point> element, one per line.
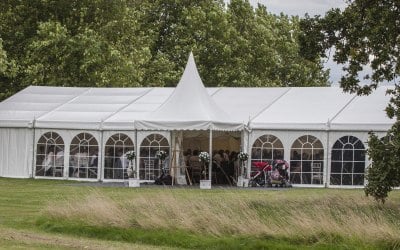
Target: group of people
<point>116,164</point>
<point>82,163</point>
<point>52,163</point>
<point>225,165</point>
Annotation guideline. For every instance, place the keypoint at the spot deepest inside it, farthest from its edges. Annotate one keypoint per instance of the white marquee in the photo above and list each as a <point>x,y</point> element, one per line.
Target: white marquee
<point>287,112</point>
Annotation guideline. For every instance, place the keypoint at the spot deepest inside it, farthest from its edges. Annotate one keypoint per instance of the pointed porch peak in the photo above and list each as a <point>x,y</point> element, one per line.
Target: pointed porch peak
<point>191,78</point>
<point>189,107</point>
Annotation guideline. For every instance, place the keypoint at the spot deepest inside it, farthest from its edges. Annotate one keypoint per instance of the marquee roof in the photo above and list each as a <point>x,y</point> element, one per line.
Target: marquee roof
<point>190,106</point>
<point>259,108</point>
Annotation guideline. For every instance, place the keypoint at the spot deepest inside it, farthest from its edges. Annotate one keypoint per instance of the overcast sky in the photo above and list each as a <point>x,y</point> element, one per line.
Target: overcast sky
<point>300,7</point>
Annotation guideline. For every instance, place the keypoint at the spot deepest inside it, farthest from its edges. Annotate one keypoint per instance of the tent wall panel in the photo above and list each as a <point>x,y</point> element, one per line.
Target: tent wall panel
<point>288,138</point>
<point>336,135</point>
<point>67,136</point>
<point>16,152</point>
<point>106,135</point>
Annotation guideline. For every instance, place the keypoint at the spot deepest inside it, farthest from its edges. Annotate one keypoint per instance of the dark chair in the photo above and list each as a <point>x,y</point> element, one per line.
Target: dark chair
<point>196,168</point>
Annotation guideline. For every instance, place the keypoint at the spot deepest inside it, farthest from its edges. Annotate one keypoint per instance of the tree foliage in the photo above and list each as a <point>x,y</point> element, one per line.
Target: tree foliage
<point>384,174</point>
<point>366,33</point>
<point>7,70</point>
<point>146,43</point>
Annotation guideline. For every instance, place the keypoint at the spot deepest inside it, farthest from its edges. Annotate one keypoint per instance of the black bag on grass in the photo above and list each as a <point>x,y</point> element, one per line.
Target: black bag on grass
<point>164,179</point>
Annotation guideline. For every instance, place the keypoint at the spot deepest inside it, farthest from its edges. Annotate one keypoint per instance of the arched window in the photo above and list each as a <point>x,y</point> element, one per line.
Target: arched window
<point>348,162</point>
<point>83,160</point>
<point>149,167</point>
<point>306,161</point>
<point>115,161</point>
<point>266,148</point>
<point>50,155</point>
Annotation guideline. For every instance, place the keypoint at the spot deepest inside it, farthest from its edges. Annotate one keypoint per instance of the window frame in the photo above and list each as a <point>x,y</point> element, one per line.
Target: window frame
<point>148,149</point>
<point>116,143</point>
<point>301,164</point>
<point>51,142</point>
<point>82,149</point>
<point>270,143</point>
<point>343,148</point>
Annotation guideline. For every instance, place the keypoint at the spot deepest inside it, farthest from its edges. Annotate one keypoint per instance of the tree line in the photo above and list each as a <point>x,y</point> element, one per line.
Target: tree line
<point>130,43</point>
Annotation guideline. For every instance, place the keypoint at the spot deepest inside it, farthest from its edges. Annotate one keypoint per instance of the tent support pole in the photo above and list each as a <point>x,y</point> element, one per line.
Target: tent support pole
<point>33,169</point>
<point>137,150</point>
<point>326,179</point>
<point>172,165</point>
<point>210,150</point>
<point>248,148</point>
<point>100,157</point>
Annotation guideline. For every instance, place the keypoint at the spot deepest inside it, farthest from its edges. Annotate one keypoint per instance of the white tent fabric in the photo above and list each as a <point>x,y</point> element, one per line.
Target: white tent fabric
<point>22,109</point>
<point>137,110</point>
<point>189,107</point>
<point>90,108</point>
<point>16,151</point>
<point>364,113</point>
<point>303,109</point>
<point>266,108</point>
<point>246,103</point>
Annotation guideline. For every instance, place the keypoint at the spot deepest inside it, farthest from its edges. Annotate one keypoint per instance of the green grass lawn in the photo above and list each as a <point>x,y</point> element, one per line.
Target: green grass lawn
<point>41,214</point>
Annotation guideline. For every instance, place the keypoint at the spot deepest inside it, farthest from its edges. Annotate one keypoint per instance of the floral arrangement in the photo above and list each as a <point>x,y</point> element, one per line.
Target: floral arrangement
<point>131,155</point>
<point>204,157</point>
<point>243,156</point>
<point>161,155</point>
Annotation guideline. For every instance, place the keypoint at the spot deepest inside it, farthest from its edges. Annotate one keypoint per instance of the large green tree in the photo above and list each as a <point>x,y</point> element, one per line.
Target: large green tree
<point>267,49</point>
<point>74,42</point>
<point>234,46</point>
<point>7,70</point>
<point>146,43</point>
<point>365,34</point>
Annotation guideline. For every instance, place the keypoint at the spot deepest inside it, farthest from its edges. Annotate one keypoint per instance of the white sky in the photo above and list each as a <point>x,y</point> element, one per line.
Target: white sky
<point>300,7</point>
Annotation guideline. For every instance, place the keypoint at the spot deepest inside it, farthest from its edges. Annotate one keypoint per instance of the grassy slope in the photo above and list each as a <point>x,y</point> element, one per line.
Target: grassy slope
<point>42,214</point>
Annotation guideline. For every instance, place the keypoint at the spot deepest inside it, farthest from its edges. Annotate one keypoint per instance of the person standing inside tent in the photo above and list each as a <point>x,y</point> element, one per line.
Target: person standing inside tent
<point>48,162</point>
<point>81,159</point>
<point>93,159</point>
<point>59,162</point>
<point>93,163</point>
<point>186,156</point>
<point>121,164</point>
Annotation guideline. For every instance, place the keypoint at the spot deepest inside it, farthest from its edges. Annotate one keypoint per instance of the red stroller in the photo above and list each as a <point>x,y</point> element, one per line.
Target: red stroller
<point>260,178</point>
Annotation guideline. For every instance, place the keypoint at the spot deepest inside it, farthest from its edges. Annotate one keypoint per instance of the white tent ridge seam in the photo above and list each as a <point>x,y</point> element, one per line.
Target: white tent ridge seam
<point>269,105</point>
<point>62,104</point>
<point>134,100</point>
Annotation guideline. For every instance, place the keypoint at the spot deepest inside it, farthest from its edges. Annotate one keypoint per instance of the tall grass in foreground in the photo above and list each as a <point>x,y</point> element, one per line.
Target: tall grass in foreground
<point>235,213</point>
